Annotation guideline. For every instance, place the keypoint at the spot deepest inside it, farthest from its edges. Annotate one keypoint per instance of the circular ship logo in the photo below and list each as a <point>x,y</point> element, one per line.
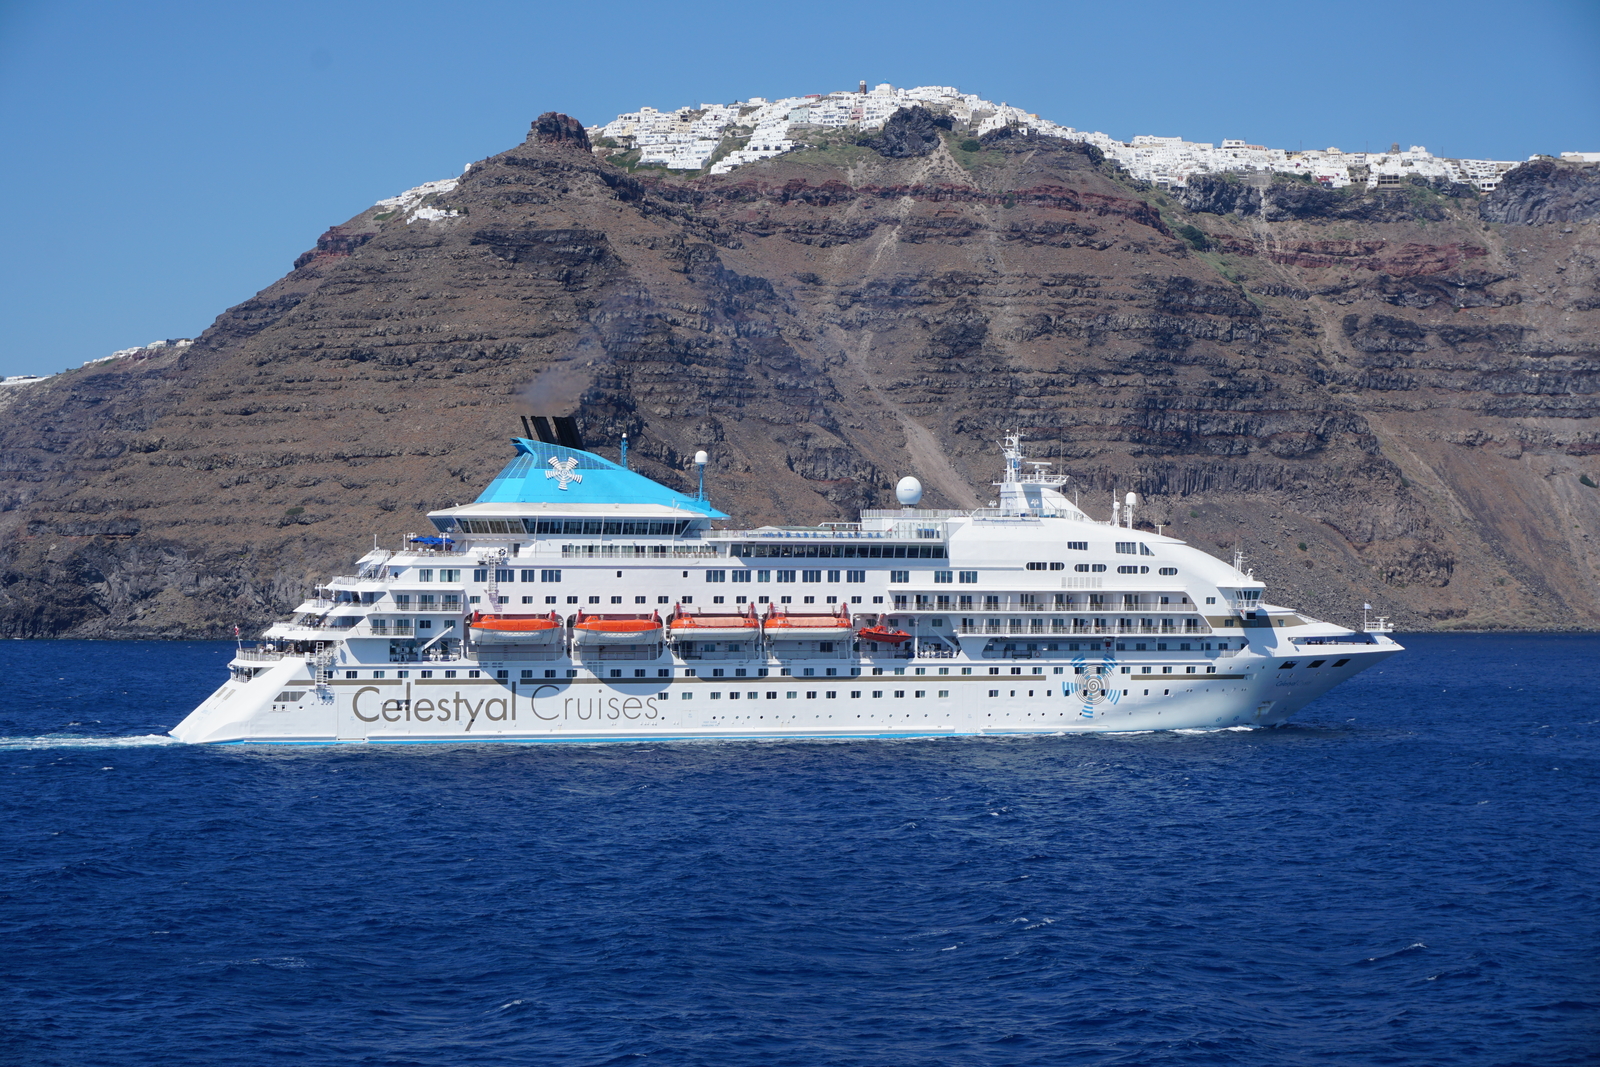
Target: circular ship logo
<point>1092,689</point>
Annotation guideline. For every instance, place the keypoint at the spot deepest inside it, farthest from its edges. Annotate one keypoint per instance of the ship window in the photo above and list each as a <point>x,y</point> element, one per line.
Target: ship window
<point>833,576</point>
<point>811,576</point>
<point>616,600</point>
<point>741,576</point>
<point>1169,571</point>
<point>763,576</point>
<point>943,577</point>
<point>1317,662</point>
<point>1127,570</point>
<point>1081,568</point>
<point>1286,665</point>
<point>855,576</point>
<point>899,576</point>
<point>1211,600</point>
<point>481,574</point>
<point>550,576</point>
<point>503,574</point>
<point>351,674</point>
<point>994,692</point>
<point>425,575</point>
<point>1144,549</point>
<point>1128,548</point>
<point>1340,662</point>
<point>1078,546</point>
<point>969,577</point>
<point>1098,568</point>
<point>1058,566</point>
<point>1038,566</point>
<point>716,576</point>
<point>529,576</point>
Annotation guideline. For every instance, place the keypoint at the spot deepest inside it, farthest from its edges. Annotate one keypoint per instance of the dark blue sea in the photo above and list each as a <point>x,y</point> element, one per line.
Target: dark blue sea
<point>1406,875</point>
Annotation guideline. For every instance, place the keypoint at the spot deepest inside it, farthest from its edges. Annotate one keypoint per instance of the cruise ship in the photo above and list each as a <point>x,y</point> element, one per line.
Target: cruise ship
<point>578,601</point>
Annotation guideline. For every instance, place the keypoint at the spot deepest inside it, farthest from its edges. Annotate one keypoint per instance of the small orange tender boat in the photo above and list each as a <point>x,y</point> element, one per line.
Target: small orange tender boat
<point>782,625</point>
<point>883,635</point>
<point>514,629</point>
<point>616,629</point>
<point>706,627</point>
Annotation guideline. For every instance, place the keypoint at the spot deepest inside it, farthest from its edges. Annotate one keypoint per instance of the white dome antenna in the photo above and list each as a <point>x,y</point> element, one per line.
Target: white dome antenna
<point>908,491</point>
<point>700,461</point>
<point>1128,502</point>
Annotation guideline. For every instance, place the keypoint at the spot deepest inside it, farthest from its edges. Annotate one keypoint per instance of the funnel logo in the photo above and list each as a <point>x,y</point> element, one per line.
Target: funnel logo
<point>562,471</point>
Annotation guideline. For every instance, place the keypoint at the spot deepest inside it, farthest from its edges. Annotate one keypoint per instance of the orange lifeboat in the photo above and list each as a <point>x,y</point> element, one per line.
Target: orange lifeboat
<point>616,629</point>
<point>514,629</point>
<point>705,627</point>
<point>783,625</point>
<point>883,635</point>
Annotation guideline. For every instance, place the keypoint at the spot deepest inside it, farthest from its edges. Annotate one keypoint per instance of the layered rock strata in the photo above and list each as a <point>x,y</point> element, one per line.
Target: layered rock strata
<point>1385,399</point>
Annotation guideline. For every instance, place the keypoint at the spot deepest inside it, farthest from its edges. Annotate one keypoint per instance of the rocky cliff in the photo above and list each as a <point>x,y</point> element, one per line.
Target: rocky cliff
<point>1387,397</point>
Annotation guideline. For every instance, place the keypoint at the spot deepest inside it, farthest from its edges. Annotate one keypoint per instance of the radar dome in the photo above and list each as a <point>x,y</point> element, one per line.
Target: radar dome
<point>701,459</point>
<point>908,491</point>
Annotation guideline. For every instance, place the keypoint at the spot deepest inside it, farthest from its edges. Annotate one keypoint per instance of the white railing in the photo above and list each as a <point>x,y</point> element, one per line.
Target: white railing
<point>639,551</point>
<point>1012,607</point>
<point>252,655</point>
<point>996,628</point>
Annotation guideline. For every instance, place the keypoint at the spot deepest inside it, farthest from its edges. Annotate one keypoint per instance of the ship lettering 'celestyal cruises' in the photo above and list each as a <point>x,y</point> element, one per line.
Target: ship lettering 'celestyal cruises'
<point>577,600</point>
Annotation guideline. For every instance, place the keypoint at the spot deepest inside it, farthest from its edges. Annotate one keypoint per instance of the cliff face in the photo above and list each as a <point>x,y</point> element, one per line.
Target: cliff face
<point>1381,398</point>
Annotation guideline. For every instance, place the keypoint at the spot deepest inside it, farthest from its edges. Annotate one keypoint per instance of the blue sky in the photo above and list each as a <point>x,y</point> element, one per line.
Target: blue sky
<point>165,160</point>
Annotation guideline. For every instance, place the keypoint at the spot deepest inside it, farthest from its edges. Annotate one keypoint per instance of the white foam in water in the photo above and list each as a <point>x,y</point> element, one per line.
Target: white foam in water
<point>64,741</point>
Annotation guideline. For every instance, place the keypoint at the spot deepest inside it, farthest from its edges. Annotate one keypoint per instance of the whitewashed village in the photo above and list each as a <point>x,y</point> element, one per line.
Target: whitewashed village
<point>723,137</point>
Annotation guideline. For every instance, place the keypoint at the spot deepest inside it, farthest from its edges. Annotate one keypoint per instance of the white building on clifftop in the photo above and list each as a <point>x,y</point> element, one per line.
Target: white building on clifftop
<point>690,139</point>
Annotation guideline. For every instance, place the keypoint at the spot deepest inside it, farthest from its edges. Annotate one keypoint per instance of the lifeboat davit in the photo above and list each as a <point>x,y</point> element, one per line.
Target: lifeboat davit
<point>616,629</point>
<point>883,635</point>
<point>782,625</point>
<point>705,627</point>
<point>514,629</point>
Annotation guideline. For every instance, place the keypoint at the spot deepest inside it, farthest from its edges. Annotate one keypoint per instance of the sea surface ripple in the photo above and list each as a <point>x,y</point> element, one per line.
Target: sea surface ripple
<point>1407,875</point>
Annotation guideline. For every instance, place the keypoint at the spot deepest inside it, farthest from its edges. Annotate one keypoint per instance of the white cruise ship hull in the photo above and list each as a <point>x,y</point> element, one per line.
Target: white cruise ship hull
<point>1251,692</point>
<point>1026,618</point>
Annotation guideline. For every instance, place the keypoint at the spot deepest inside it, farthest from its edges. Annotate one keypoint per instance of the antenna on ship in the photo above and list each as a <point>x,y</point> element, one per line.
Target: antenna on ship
<point>624,451</point>
<point>700,460</point>
<point>1128,502</point>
